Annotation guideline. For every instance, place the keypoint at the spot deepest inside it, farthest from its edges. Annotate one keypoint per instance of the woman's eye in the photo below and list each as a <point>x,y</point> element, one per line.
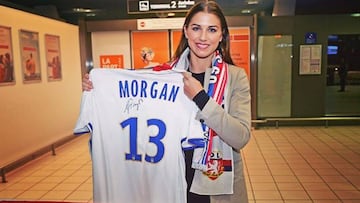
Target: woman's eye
<point>212,29</point>
<point>195,28</point>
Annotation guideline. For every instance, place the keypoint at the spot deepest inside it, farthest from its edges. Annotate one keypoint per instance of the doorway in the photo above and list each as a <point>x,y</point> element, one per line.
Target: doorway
<point>343,75</point>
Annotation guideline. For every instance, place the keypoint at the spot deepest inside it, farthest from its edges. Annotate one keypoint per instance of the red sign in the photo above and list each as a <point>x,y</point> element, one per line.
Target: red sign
<point>240,47</point>
<point>111,61</point>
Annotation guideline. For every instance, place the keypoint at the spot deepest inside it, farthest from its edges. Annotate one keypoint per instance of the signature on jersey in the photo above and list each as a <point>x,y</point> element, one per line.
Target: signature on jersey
<point>132,105</point>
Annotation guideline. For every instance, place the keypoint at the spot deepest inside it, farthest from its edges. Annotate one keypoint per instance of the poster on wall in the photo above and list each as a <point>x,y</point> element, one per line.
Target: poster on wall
<point>175,40</point>
<point>6,57</point>
<point>30,57</point>
<point>310,59</point>
<point>112,61</point>
<point>53,57</point>
<point>240,47</point>
<point>149,48</point>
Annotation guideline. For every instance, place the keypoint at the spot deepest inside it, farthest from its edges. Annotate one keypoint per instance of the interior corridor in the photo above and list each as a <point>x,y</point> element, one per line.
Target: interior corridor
<point>285,164</point>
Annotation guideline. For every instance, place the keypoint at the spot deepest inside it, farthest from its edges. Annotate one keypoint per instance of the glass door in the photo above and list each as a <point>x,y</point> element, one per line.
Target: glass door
<point>274,76</point>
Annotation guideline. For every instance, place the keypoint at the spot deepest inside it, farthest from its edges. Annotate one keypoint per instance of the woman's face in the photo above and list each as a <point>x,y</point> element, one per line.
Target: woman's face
<point>149,56</point>
<point>203,34</point>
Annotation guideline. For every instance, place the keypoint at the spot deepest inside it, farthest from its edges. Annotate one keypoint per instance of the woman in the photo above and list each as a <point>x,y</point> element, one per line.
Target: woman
<point>203,46</point>
<point>205,33</point>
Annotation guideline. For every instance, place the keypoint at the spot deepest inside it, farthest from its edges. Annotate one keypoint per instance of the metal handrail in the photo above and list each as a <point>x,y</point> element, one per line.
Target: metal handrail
<point>326,119</point>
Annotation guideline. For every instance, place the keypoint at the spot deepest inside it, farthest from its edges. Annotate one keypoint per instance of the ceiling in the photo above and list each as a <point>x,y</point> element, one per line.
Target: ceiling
<point>72,10</point>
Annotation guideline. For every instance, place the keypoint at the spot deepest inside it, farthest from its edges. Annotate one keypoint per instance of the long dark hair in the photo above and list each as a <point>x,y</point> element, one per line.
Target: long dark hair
<point>213,8</point>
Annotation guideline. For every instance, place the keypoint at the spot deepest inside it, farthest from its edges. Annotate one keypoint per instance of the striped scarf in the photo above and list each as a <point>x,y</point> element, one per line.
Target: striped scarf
<point>216,89</point>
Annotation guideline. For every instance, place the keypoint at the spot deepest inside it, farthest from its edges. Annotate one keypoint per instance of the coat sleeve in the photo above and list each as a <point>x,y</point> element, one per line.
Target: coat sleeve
<point>234,126</point>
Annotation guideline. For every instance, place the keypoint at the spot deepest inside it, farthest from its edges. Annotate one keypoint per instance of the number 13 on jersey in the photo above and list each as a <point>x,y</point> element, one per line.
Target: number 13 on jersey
<point>132,123</point>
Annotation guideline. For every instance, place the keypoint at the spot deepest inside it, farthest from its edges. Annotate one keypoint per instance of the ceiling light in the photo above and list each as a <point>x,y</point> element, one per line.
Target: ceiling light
<point>252,2</point>
<point>246,11</point>
<point>171,14</point>
<point>82,10</point>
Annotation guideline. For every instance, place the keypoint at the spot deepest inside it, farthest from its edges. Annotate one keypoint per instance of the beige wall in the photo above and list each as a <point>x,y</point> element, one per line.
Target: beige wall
<point>111,43</point>
<point>37,114</point>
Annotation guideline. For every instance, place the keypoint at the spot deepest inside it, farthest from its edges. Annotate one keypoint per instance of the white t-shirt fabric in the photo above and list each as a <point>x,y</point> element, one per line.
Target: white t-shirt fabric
<point>140,123</point>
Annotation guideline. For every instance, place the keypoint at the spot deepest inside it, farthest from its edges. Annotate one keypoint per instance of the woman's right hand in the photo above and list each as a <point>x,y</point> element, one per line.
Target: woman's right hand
<point>86,83</point>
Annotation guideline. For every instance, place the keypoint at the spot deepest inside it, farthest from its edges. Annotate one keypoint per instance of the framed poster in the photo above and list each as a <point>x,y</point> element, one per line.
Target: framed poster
<point>310,59</point>
<point>53,57</point>
<point>30,57</point>
<point>6,57</point>
<point>149,48</point>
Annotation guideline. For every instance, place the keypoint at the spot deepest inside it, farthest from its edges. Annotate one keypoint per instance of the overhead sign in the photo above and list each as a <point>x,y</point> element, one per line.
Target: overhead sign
<point>160,23</point>
<point>154,6</point>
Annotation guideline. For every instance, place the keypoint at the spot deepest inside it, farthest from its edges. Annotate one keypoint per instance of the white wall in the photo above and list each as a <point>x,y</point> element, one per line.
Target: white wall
<point>111,43</point>
<point>37,114</point>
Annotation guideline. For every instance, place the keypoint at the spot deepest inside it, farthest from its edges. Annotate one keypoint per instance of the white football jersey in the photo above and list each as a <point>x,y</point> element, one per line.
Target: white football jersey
<point>140,122</point>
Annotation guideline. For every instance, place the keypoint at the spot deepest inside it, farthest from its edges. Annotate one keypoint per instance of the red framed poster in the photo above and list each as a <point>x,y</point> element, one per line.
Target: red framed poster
<point>6,57</point>
<point>53,57</point>
<point>30,56</point>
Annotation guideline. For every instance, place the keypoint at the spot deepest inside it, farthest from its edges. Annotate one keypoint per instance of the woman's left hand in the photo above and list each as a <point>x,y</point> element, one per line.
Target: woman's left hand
<point>191,86</point>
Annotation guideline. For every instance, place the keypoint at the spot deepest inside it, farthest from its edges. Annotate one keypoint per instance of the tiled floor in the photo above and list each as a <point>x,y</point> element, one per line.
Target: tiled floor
<point>286,164</point>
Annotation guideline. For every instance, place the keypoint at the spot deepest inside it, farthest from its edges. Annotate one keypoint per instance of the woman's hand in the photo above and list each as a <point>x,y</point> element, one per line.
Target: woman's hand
<point>86,83</point>
<point>191,86</point>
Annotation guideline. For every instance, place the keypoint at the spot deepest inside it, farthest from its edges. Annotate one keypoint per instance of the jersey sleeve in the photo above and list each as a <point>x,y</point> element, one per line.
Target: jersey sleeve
<point>83,124</point>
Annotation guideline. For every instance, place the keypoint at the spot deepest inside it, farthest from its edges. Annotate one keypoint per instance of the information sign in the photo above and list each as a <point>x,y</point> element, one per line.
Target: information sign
<point>154,6</point>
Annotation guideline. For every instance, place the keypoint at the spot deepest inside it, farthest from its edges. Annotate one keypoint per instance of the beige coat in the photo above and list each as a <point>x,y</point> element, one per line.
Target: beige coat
<point>232,125</point>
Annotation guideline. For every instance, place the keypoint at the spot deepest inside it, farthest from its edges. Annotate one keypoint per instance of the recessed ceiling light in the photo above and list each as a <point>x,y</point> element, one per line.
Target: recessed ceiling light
<point>82,10</point>
<point>246,11</point>
<point>253,2</point>
<point>171,14</point>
